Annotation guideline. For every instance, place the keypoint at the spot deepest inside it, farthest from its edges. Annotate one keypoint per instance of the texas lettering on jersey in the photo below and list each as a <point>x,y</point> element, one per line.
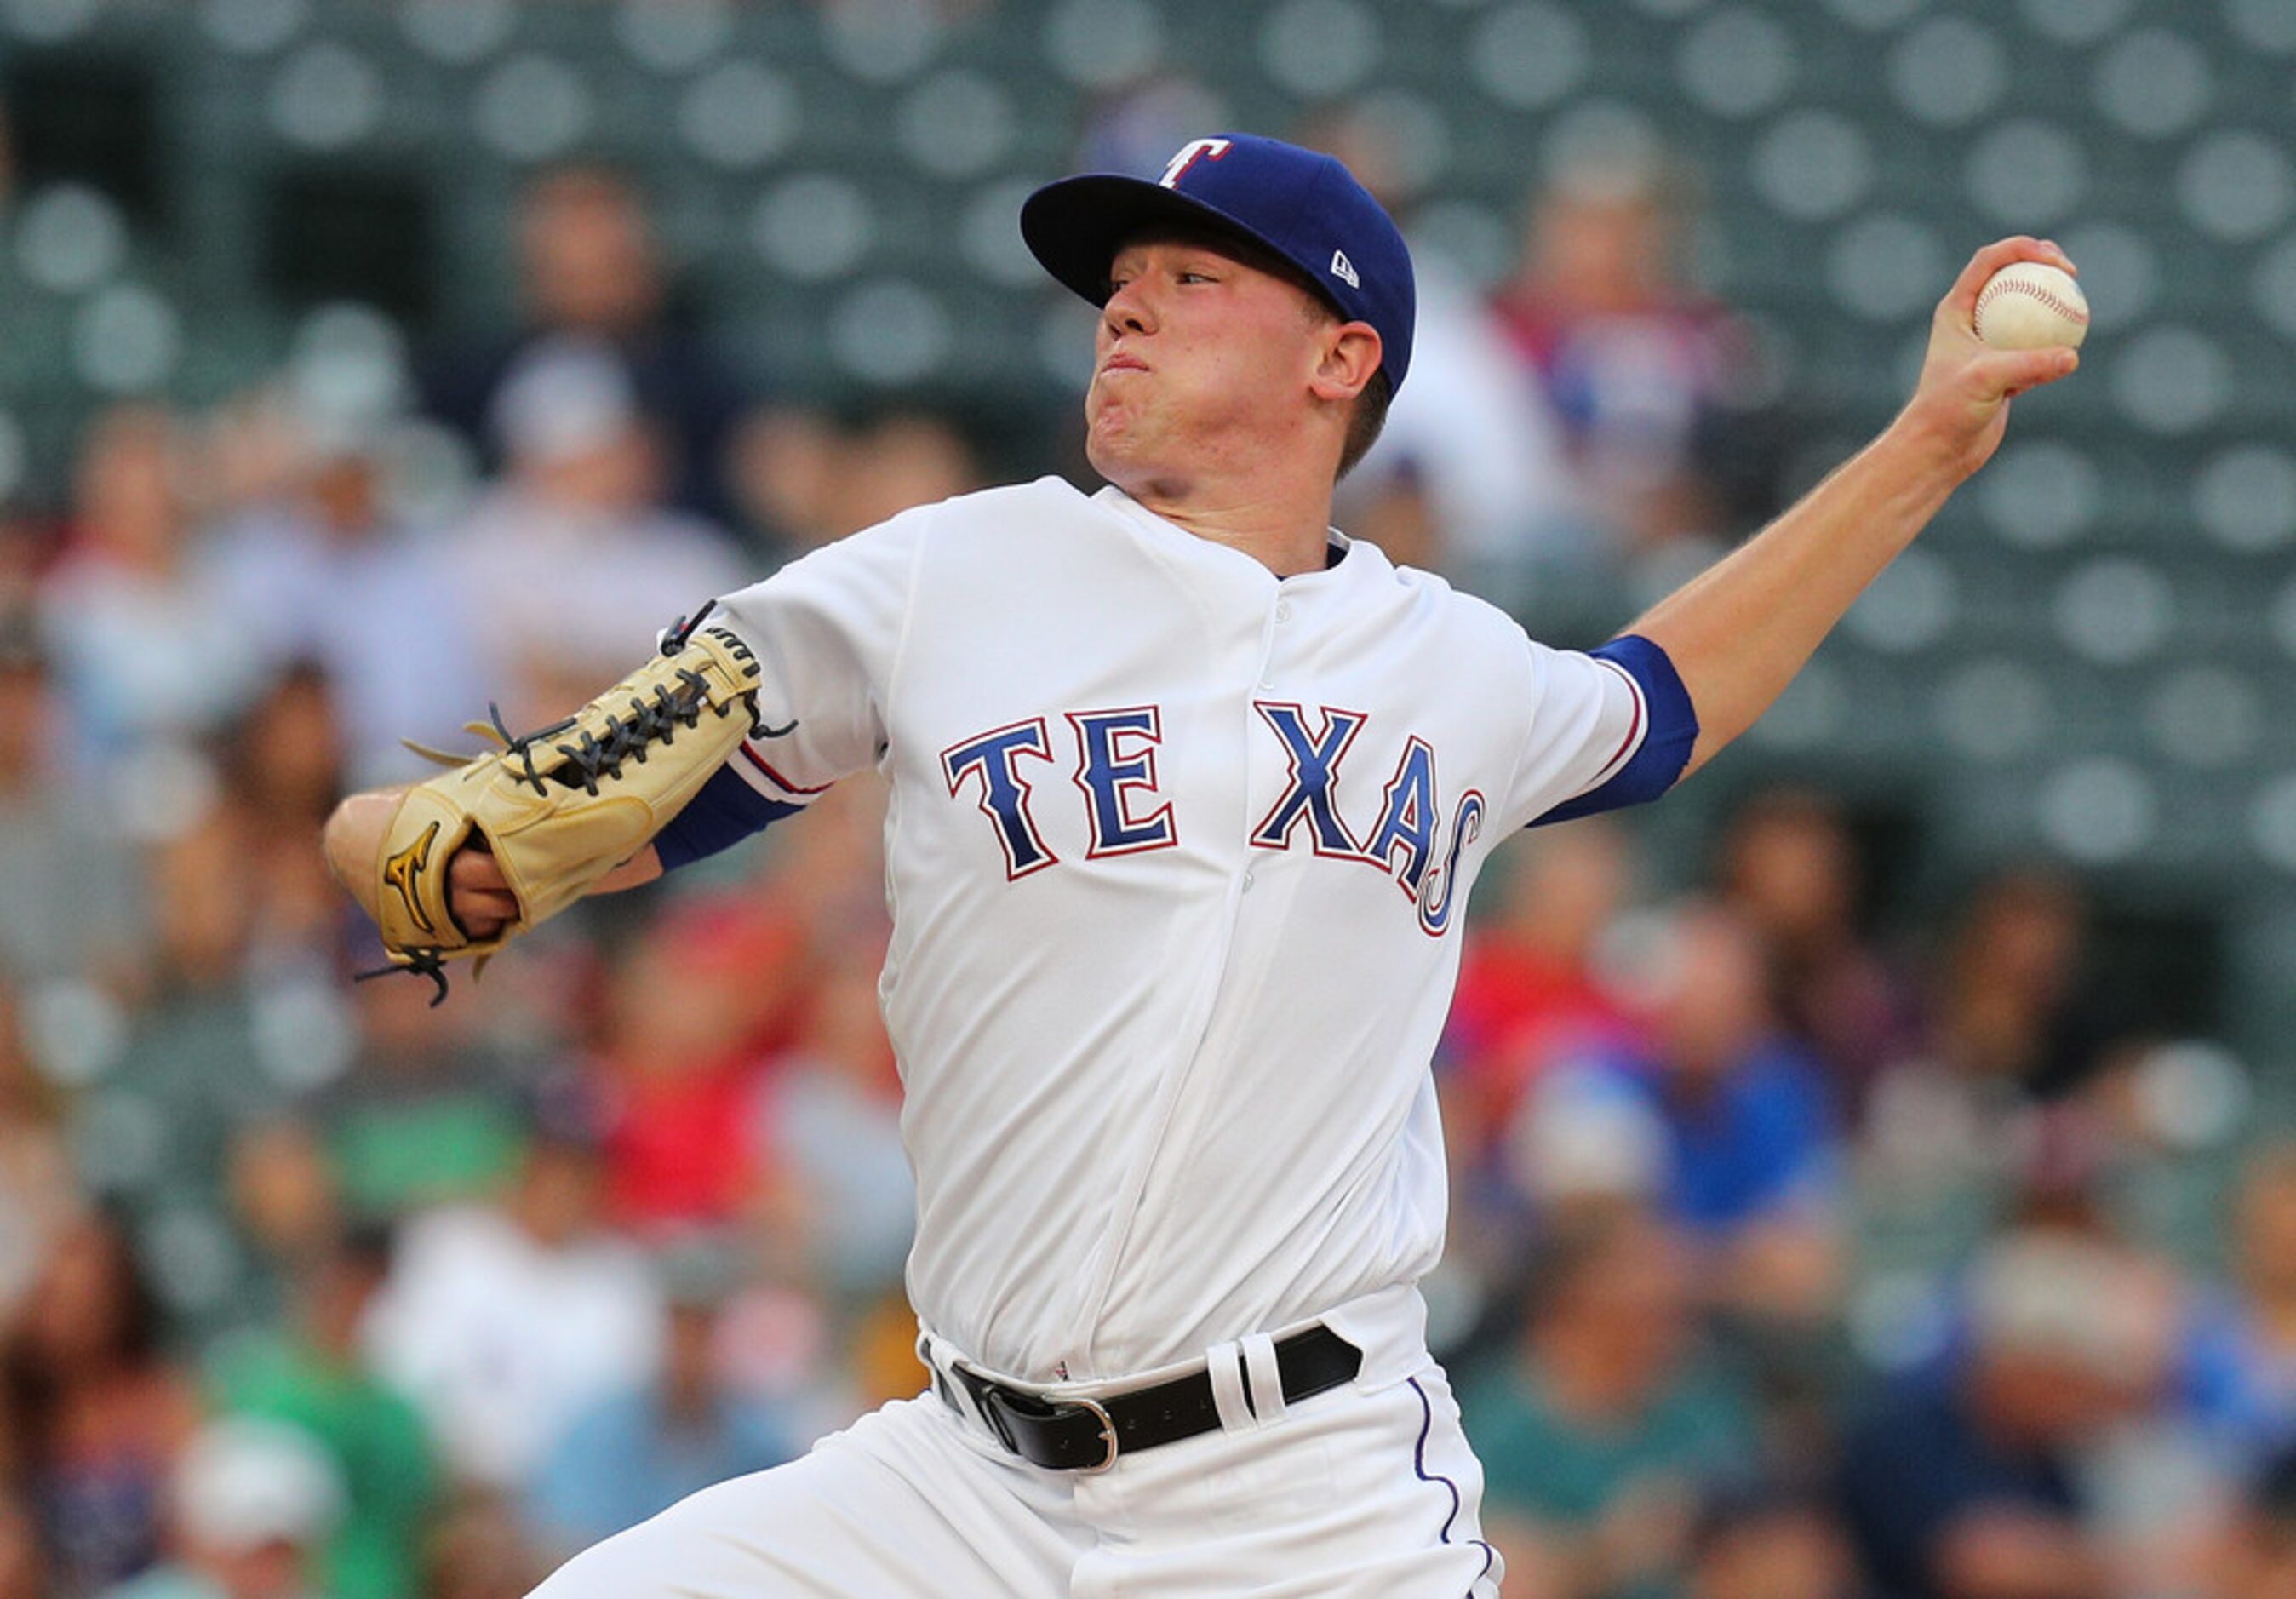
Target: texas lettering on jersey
<point>1113,766</point>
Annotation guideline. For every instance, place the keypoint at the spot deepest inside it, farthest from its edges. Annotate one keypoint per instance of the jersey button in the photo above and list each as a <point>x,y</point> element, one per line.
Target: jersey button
<point>1247,882</point>
<point>1284,610</point>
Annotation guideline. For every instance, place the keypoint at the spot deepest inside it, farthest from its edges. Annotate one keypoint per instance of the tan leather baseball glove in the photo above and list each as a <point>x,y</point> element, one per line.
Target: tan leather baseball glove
<point>562,806</point>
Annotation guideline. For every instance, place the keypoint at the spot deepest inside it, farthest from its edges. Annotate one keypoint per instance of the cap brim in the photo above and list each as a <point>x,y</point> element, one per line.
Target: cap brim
<point>1074,227</point>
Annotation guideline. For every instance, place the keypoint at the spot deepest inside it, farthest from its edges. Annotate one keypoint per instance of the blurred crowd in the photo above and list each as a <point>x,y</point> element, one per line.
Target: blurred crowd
<point>1797,1254</point>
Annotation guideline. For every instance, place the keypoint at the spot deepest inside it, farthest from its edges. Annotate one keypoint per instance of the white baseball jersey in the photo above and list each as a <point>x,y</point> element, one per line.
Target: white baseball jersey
<point>1178,855</point>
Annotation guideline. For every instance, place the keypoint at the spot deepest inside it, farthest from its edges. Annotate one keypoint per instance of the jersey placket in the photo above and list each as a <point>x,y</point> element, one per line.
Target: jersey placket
<point>1221,582</point>
<point>1268,775</point>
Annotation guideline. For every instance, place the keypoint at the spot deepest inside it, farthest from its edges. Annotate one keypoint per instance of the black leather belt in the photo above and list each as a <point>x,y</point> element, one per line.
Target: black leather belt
<point>1088,1435</point>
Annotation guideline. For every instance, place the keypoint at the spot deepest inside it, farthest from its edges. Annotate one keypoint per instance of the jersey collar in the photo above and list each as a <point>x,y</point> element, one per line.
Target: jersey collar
<point>1336,544</point>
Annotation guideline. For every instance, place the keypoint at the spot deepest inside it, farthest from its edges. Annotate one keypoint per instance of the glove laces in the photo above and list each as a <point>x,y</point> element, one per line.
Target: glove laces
<point>420,963</point>
<point>627,735</point>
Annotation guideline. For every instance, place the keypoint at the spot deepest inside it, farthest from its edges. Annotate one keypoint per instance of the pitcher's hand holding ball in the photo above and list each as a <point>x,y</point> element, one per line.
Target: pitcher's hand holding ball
<point>1961,404</point>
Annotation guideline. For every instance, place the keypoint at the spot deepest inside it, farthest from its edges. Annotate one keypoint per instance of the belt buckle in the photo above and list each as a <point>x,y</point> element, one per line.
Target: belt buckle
<point>1107,1435</point>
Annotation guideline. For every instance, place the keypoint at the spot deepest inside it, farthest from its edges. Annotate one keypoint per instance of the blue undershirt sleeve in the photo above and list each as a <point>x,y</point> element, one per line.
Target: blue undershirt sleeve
<point>722,813</point>
<point>1665,749</point>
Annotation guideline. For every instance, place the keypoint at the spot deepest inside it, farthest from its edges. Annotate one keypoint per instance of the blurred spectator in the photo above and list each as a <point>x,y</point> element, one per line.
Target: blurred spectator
<point>1952,1130</point>
<point>1749,1113</point>
<point>1528,1001</point>
<point>1599,1436</point>
<point>155,1130</point>
<point>282,773</point>
<point>790,467</point>
<point>24,1565</point>
<point>2258,1557</point>
<point>2015,1005</point>
<point>68,895</point>
<point>286,755</point>
<point>590,268</point>
<point>676,1083</point>
<point>253,1501</point>
<point>1767,1539</point>
<point>1970,1482</point>
<point>1753,1155</point>
<point>324,575</point>
<point>143,656</point>
<point>637,1452</point>
<point>828,877</point>
<point>904,456</point>
<point>311,1374</point>
<point>812,476</point>
<point>1790,866</point>
<point>503,1322</point>
<point>287,1206</point>
<point>881,1355</point>
<point>1656,384</point>
<point>777,1342</point>
<point>579,565</point>
<point>831,1115</point>
<point>97,1415</point>
<point>39,1190</point>
<point>1474,458</point>
<point>428,1114</point>
<point>1587,1143</point>
<point>23,549</point>
<point>2240,1356</point>
<point>1527,994</point>
<point>1468,476</point>
<point>479,1551</point>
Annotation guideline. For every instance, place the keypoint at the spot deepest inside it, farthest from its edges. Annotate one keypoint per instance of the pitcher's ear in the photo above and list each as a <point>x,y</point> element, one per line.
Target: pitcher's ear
<point>1351,352</point>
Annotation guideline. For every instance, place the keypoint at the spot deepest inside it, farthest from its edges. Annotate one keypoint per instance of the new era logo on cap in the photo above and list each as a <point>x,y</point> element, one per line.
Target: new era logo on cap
<point>1302,205</point>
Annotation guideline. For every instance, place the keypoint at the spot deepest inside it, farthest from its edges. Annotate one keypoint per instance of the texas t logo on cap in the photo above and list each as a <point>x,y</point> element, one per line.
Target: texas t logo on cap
<point>1191,152</point>
<point>1302,206</point>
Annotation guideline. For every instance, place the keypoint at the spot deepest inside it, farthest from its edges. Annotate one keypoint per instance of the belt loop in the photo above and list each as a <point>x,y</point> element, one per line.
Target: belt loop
<point>1267,1401</point>
<point>1224,1364</point>
<point>948,1376</point>
<point>992,1417</point>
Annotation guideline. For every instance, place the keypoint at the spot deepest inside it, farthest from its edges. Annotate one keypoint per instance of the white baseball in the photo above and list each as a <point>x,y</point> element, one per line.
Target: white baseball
<point>2030,305</point>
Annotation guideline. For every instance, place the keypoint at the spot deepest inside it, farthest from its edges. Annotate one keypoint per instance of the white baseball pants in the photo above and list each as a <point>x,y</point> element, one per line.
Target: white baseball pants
<point>1352,1494</point>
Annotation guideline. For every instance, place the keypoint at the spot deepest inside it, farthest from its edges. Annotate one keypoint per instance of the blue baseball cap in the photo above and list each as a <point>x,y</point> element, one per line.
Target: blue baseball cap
<point>1303,206</point>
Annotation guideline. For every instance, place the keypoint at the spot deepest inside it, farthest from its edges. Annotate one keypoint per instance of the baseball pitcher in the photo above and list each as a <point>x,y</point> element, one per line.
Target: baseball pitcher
<point>1189,791</point>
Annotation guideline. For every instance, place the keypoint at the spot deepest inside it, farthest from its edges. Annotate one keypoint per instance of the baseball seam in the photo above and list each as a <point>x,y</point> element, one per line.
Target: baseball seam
<point>1993,292</point>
